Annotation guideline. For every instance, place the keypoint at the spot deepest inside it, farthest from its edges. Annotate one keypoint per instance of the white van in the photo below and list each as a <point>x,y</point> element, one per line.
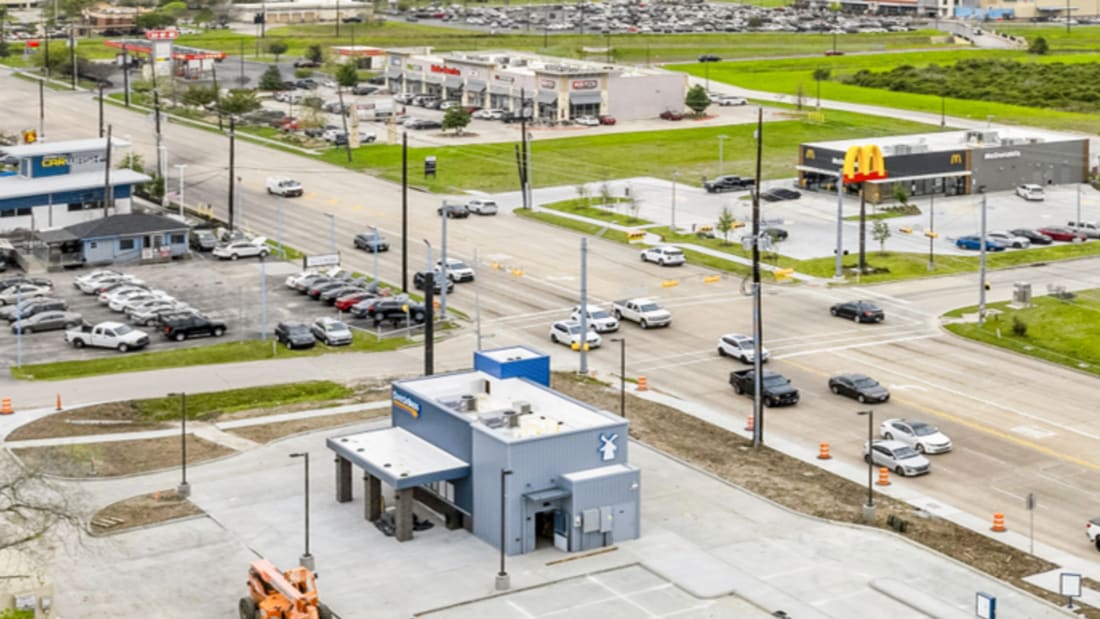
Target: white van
<point>1030,192</point>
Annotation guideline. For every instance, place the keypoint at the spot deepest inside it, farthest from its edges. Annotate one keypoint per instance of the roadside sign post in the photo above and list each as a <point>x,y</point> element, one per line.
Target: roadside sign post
<point>1069,585</point>
<point>1031,502</point>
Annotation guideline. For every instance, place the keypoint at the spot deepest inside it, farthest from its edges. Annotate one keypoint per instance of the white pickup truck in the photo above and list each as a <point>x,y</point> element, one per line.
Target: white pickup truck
<point>115,335</point>
<point>1092,529</point>
<point>645,312</point>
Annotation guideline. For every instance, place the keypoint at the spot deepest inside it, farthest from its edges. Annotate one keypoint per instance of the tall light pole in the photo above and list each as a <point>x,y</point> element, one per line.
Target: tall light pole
<point>839,226</point>
<point>374,229</point>
<point>503,582</point>
<point>582,345</point>
<point>622,374</point>
<point>306,560</point>
<point>240,203</point>
<point>721,153</point>
<point>675,175</point>
<point>869,508</point>
<point>932,230</point>
<point>184,489</point>
<point>981,269</point>
<point>181,167</point>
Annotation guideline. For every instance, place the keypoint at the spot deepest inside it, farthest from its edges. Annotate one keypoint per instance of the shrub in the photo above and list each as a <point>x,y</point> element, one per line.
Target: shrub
<point>1019,327</point>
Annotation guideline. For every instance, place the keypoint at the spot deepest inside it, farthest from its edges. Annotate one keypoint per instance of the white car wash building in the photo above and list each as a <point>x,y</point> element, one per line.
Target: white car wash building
<point>556,89</point>
<point>476,444</point>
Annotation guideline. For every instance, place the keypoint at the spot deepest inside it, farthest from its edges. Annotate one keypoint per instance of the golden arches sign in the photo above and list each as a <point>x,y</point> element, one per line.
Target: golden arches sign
<point>864,163</point>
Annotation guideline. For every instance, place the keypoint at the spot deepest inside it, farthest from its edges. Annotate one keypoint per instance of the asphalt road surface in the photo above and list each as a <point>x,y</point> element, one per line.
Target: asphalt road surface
<point>1018,425</point>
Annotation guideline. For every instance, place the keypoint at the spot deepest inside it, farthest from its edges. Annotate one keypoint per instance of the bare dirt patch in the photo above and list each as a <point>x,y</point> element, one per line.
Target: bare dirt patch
<point>117,457</point>
<point>140,511</point>
<point>274,431</point>
<point>99,419</point>
<point>803,487</point>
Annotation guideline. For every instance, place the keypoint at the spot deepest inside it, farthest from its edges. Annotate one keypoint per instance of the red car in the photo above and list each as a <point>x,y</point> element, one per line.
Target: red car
<point>1060,233</point>
<point>607,120</point>
<point>833,52</point>
<point>345,302</point>
<point>670,115</point>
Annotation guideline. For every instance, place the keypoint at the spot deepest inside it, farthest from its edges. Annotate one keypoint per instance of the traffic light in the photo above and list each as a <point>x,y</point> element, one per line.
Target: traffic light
<point>258,18</point>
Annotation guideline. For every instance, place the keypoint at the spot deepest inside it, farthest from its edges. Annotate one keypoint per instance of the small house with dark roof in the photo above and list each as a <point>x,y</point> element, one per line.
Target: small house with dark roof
<point>133,237</point>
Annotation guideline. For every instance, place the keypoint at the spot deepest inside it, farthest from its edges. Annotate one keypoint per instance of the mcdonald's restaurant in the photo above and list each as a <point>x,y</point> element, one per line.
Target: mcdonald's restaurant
<point>948,163</point>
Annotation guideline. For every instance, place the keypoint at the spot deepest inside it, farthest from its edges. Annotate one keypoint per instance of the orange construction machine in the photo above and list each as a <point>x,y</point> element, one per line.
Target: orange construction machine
<point>281,595</point>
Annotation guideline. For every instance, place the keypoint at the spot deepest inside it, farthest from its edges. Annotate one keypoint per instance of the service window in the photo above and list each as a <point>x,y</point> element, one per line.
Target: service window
<point>177,239</point>
<point>126,244</point>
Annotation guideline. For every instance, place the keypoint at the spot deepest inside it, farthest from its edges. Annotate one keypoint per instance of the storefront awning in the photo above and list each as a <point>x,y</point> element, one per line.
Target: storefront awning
<point>547,96</point>
<point>588,97</point>
<point>920,177</point>
<point>475,86</point>
<point>452,81</point>
<point>398,457</point>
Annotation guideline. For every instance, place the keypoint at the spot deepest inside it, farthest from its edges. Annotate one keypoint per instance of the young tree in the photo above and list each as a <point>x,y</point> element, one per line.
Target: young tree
<point>900,194</point>
<point>725,223</point>
<point>820,74</point>
<point>697,100</point>
<point>278,48</point>
<point>314,53</point>
<point>272,79</point>
<point>132,161</point>
<point>456,117</point>
<point>880,233</point>
<point>238,102</point>
<point>198,96</point>
<point>1038,46</point>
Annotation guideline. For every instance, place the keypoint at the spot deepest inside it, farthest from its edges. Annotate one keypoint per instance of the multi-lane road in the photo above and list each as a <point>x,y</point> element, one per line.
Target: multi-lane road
<point>1018,425</point>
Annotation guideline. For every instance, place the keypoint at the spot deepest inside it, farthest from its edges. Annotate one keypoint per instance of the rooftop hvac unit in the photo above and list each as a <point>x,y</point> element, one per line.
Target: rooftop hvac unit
<point>468,403</point>
<point>492,420</point>
<point>511,419</point>
<point>521,407</point>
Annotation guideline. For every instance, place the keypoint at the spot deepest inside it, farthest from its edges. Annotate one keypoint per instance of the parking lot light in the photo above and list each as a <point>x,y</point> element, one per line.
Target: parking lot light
<point>869,508</point>
<point>184,489</point>
<point>306,559</point>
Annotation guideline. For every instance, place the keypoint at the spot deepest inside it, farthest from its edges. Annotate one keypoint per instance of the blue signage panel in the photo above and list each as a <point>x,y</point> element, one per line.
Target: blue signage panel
<point>50,165</point>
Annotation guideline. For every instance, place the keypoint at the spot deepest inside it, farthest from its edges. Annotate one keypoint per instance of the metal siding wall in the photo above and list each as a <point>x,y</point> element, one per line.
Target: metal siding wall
<point>536,370</point>
<point>615,492</point>
<point>490,456</point>
<point>1060,162</point>
<point>445,431</point>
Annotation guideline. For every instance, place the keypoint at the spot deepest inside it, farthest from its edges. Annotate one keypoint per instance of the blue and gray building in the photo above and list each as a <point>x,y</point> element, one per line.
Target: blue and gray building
<point>455,438</point>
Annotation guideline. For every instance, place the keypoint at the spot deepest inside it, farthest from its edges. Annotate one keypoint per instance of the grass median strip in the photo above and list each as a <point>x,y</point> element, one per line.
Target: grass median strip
<point>229,352</point>
<point>1063,330</point>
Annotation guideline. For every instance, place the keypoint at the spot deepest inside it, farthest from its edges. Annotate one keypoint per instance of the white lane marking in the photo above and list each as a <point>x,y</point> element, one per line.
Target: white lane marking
<point>521,610</point>
<point>883,296</point>
<point>908,387</point>
<point>851,346</point>
<point>1033,432</point>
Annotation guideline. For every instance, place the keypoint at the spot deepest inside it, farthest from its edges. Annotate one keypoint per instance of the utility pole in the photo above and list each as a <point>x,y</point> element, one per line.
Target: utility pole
<point>584,306</point>
<point>232,167</point>
<point>107,176</point>
<point>757,322</point>
<point>862,229</point>
<point>41,109</point>
<point>429,311</point>
<point>126,75</point>
<point>217,95</point>
<point>932,230</point>
<point>241,78</point>
<point>404,211</point>
<point>46,36</point>
<point>160,154</point>
<point>101,109</point>
<point>981,270</point>
<point>839,226</point>
<point>72,55</point>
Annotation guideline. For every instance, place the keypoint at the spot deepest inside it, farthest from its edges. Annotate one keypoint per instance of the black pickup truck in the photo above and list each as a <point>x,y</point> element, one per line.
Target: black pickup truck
<point>778,390</point>
<point>729,182</point>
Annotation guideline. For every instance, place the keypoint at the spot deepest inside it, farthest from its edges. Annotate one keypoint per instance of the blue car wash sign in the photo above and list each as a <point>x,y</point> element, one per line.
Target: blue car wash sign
<point>50,165</point>
<point>406,403</point>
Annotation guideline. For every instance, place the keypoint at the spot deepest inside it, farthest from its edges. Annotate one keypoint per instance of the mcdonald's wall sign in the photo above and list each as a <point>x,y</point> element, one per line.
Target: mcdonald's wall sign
<point>864,163</point>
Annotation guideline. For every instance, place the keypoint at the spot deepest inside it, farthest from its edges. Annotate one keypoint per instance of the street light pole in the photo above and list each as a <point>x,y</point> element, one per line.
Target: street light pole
<point>622,374</point>
<point>721,153</point>
<point>981,268</point>
<point>839,226</point>
<point>374,229</point>
<point>582,345</point>
<point>184,489</point>
<point>503,582</point>
<point>181,167</point>
<point>932,230</point>
<point>306,560</point>
<point>869,508</point>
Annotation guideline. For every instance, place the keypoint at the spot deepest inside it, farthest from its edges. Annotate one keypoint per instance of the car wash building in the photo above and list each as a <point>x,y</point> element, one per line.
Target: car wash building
<point>496,441</point>
<point>953,162</point>
<point>58,184</point>
<point>554,89</point>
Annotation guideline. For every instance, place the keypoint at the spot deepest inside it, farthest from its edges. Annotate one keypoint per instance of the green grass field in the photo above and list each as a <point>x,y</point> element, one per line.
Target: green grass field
<point>1064,332</point>
<point>206,405</point>
<point>688,153</point>
<point>786,76</point>
<point>230,352</point>
<point>1078,39</point>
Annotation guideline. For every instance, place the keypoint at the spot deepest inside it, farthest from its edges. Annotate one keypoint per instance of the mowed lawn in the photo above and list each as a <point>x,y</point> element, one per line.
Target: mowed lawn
<point>1065,332</point>
<point>690,153</point>
<point>786,76</point>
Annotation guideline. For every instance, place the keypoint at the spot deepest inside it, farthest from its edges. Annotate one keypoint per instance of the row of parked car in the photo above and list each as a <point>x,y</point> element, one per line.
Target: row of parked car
<point>1023,238</point>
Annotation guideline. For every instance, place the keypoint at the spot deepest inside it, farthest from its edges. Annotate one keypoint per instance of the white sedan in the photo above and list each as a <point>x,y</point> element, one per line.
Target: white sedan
<point>924,437</point>
<point>241,249</point>
<point>730,100</point>
<point>587,121</point>
<point>740,347</point>
<point>482,206</point>
<point>568,332</point>
<point>664,255</point>
<point>898,457</point>
<point>23,292</point>
<point>1010,240</point>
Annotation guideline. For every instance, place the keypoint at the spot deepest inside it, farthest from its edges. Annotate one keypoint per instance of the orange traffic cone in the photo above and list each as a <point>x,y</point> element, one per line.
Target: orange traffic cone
<point>750,424</point>
<point>642,386</point>
<point>883,476</point>
<point>59,401</point>
<point>5,407</point>
<point>998,523</point>
<point>823,452</point>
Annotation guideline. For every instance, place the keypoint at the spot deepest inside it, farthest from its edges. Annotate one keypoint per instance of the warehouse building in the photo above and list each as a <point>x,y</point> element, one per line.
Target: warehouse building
<point>555,89</point>
<point>954,162</point>
<point>58,184</point>
<point>456,438</point>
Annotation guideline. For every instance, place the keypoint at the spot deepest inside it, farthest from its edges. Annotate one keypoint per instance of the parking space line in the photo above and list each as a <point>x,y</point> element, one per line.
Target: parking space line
<point>521,610</point>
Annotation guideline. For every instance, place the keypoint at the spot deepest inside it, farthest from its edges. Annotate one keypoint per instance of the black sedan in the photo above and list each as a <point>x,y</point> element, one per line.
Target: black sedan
<point>777,194</point>
<point>294,335</point>
<point>455,210</point>
<point>710,58</point>
<point>421,277</point>
<point>859,311</point>
<point>860,387</point>
<point>1036,237</point>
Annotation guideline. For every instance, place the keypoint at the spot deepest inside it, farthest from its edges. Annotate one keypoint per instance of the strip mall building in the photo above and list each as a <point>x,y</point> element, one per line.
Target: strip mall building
<point>555,89</point>
<point>954,162</point>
